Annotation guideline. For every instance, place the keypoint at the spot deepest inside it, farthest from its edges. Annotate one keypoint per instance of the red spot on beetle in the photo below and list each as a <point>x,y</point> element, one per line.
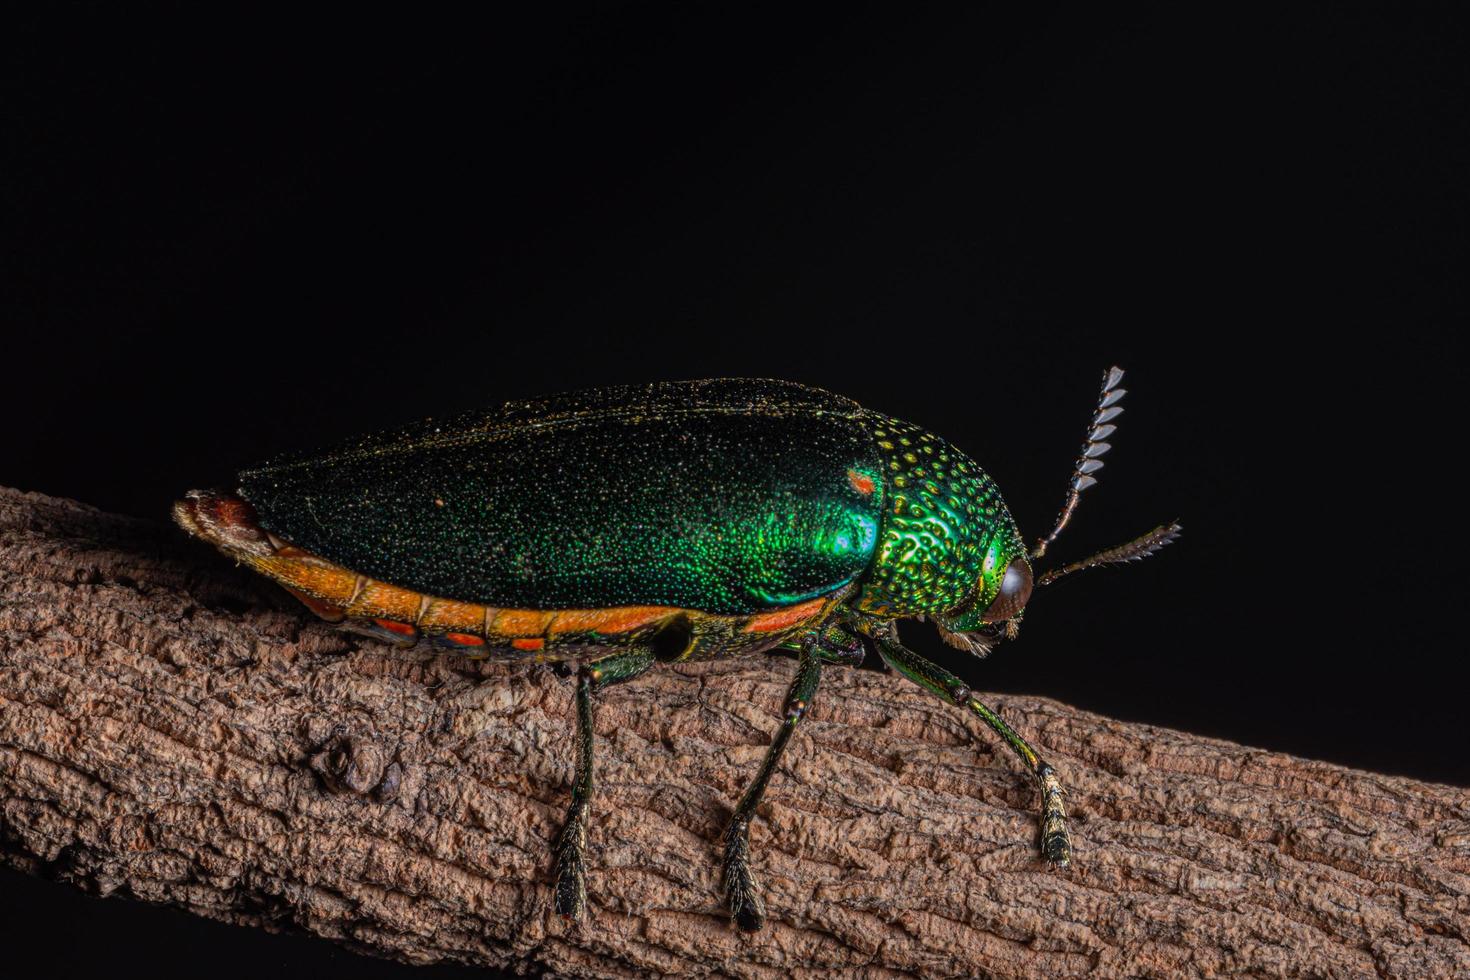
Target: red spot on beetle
<point>465,639</point>
<point>402,629</point>
<point>528,643</point>
<point>861,482</point>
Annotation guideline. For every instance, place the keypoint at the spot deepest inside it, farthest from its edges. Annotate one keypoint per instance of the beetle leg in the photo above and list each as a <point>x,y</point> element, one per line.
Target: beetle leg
<point>742,892</point>
<point>571,843</point>
<point>829,644</point>
<point>1056,845</point>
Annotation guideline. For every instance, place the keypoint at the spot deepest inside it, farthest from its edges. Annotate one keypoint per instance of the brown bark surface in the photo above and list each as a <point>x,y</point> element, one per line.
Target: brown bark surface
<point>173,730</point>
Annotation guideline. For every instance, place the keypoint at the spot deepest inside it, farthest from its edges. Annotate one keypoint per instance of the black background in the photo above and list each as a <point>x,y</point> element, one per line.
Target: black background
<point>227,235</point>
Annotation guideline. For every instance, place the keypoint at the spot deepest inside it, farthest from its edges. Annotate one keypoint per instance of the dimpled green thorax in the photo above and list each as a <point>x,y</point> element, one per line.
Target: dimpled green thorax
<point>942,518</point>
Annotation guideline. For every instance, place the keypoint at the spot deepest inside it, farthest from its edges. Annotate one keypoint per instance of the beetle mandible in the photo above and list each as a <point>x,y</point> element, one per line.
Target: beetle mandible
<point>619,528</point>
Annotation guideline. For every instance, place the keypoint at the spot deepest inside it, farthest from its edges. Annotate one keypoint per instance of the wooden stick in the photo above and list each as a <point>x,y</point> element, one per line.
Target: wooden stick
<point>173,730</point>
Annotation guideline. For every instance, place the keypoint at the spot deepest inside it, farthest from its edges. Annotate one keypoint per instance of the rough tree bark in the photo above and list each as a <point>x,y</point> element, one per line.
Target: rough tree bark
<point>172,730</point>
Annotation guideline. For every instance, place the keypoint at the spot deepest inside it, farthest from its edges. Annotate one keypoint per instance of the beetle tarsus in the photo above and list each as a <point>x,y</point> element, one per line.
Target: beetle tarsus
<point>1056,843</point>
<point>571,872</point>
<point>742,890</point>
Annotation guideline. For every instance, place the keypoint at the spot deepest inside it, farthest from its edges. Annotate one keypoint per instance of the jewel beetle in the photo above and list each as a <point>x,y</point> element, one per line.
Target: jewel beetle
<point>620,528</point>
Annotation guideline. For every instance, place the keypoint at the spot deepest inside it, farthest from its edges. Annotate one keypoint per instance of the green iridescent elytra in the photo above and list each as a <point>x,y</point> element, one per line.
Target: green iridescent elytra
<point>622,527</point>
<point>726,496</point>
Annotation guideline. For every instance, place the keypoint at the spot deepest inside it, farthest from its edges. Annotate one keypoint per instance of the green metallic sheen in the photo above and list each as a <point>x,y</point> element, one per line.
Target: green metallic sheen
<point>729,496</point>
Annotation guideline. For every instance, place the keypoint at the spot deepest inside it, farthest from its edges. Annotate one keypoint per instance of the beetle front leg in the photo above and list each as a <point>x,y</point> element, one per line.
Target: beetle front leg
<point>1056,844</point>
<point>571,843</point>
<point>832,645</point>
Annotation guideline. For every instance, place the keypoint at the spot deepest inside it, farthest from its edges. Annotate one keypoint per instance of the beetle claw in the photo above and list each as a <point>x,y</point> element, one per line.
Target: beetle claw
<point>751,916</point>
<point>571,887</point>
<point>747,907</point>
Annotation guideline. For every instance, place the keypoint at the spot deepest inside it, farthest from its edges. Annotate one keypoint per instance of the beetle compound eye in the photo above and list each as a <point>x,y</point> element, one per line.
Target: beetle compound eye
<point>1015,590</point>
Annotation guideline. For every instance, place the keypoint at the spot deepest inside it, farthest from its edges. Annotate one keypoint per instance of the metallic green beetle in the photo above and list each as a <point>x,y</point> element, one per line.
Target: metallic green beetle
<point>623,527</point>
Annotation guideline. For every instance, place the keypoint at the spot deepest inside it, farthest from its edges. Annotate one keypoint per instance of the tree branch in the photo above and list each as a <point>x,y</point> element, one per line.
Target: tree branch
<point>172,730</point>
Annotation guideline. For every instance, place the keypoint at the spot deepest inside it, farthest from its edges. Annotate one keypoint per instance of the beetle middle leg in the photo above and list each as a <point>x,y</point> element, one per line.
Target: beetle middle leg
<point>829,644</point>
<point>1056,844</point>
<point>571,843</point>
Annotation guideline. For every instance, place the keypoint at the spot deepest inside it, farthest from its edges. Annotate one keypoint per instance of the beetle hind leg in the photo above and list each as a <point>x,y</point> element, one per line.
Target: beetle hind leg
<point>569,850</point>
<point>830,644</point>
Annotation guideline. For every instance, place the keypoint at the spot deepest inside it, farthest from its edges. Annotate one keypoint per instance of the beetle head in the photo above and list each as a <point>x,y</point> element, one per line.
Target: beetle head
<point>994,608</point>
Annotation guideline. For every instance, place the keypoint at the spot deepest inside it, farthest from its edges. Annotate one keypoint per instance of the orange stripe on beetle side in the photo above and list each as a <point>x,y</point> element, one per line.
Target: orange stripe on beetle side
<point>449,614</point>
<point>619,619</point>
<point>783,618</point>
<point>329,583</point>
<point>381,599</point>
<point>521,622</point>
<point>333,592</point>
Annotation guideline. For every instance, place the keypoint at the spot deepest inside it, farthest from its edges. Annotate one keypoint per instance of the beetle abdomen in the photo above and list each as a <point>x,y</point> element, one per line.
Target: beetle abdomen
<point>336,594</point>
<point>727,497</point>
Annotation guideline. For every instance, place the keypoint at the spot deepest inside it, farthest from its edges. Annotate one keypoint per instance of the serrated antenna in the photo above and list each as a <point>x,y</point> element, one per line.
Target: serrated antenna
<point>1091,459</point>
<point>1138,548</point>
